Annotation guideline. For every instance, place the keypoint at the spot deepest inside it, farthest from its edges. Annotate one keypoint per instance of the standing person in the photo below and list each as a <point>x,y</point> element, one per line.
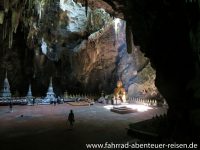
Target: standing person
<point>71,118</point>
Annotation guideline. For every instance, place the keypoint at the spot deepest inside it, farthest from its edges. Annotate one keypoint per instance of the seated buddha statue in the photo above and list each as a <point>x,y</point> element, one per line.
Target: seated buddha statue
<point>119,92</point>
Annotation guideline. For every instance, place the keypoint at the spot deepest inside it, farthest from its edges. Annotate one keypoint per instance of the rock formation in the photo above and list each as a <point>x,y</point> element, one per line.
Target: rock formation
<point>84,53</point>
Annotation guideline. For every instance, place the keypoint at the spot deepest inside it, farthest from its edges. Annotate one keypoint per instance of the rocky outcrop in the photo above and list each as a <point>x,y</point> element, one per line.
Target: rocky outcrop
<point>99,63</point>
<point>144,84</point>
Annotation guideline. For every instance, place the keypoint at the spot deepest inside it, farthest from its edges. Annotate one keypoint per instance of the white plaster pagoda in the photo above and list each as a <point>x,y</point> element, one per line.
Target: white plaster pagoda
<point>5,92</point>
<point>50,96</point>
<point>29,96</point>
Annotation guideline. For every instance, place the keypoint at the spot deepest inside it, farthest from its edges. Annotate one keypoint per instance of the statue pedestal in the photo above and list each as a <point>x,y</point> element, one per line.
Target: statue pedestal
<point>122,110</point>
<point>117,102</point>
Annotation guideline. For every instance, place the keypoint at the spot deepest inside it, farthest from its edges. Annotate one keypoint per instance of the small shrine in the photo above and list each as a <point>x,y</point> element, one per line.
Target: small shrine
<point>5,92</point>
<point>119,94</point>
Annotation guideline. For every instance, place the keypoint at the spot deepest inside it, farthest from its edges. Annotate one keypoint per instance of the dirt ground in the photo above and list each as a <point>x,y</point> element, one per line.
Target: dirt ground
<point>45,127</point>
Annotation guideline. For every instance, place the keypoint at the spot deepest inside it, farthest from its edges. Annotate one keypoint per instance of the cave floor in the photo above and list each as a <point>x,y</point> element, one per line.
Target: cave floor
<point>44,126</point>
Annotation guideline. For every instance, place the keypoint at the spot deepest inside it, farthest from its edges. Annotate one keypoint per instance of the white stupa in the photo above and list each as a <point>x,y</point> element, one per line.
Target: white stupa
<point>29,96</point>
<point>5,92</point>
<point>50,96</point>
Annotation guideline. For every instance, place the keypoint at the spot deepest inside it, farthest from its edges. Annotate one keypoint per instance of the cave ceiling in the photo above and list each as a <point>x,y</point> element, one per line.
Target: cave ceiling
<point>113,7</point>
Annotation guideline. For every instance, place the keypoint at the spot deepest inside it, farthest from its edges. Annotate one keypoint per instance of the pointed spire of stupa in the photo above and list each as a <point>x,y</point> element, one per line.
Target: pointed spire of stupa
<point>6,74</point>
<point>6,83</point>
<point>29,94</point>
<point>50,89</point>
<point>50,84</point>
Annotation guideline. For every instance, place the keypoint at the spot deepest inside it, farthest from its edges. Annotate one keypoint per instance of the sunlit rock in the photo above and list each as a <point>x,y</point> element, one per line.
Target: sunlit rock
<point>76,14</point>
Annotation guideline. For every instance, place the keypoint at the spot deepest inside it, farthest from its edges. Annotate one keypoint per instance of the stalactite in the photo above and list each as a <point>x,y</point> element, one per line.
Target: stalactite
<point>129,38</point>
<point>10,38</point>
<point>5,29</point>
<point>1,17</point>
<point>117,22</point>
<point>91,19</point>
<point>25,2</point>
<point>86,7</point>
<point>15,20</point>
<point>6,5</point>
<point>39,9</point>
<point>30,4</point>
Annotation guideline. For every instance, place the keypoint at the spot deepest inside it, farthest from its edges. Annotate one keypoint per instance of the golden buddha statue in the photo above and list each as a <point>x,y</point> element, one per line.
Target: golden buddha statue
<point>119,92</point>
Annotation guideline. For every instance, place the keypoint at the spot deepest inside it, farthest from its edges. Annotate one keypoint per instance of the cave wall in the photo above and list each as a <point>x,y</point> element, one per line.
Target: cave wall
<point>163,30</point>
<point>98,64</point>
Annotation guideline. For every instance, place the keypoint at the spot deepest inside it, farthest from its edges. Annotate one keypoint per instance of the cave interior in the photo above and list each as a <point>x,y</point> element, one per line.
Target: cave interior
<point>86,46</point>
